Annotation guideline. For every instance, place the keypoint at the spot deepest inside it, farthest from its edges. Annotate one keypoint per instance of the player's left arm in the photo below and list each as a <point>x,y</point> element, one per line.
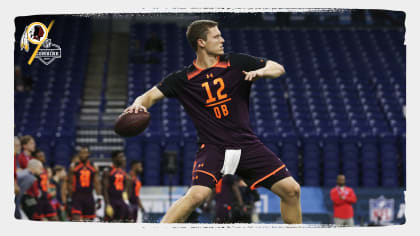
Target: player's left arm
<point>128,185</point>
<point>64,190</point>
<point>140,204</point>
<point>96,182</point>
<point>271,70</point>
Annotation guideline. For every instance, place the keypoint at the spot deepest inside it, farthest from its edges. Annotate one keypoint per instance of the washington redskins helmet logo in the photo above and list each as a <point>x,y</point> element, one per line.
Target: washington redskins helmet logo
<point>35,33</point>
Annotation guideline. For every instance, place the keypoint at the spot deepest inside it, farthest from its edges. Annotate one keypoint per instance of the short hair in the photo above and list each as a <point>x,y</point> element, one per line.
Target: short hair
<point>114,154</point>
<point>25,139</point>
<point>83,147</point>
<point>57,168</point>
<point>133,162</point>
<point>36,152</point>
<point>198,30</point>
<point>34,163</point>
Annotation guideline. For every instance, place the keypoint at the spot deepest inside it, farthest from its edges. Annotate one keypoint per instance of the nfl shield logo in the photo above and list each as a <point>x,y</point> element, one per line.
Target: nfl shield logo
<point>381,210</point>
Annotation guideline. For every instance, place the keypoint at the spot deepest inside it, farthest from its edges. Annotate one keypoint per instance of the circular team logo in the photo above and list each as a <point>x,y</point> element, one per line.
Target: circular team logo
<point>37,33</point>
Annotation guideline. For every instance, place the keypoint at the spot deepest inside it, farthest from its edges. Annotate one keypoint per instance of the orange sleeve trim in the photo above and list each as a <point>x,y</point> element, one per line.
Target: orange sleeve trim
<point>78,167</point>
<point>207,173</point>
<point>267,176</point>
<point>91,168</point>
<point>193,74</point>
<point>223,64</point>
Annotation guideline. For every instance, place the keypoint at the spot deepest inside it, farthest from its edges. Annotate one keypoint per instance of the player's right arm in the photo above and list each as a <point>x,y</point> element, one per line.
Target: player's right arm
<point>96,183</point>
<point>70,181</point>
<point>106,186</point>
<point>146,100</point>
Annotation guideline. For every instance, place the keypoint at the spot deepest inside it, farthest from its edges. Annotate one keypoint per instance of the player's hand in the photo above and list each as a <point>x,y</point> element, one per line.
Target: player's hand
<point>135,108</point>
<point>17,189</point>
<point>253,75</point>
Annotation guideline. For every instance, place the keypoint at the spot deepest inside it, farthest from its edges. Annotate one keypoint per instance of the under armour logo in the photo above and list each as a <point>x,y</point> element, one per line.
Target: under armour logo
<point>209,75</point>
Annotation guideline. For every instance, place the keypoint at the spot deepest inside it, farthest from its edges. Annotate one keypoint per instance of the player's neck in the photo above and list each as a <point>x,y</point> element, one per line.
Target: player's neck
<point>204,60</point>
<point>26,152</point>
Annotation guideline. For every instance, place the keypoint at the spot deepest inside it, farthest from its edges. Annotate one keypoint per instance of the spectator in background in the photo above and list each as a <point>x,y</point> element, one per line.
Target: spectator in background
<point>44,209</point>
<point>40,156</point>
<point>153,48</point>
<point>134,198</point>
<point>138,54</point>
<point>154,43</point>
<point>83,178</point>
<point>56,188</point>
<point>19,84</point>
<point>249,197</point>
<point>29,193</point>
<point>22,82</point>
<point>343,198</point>
<point>28,146</point>
<point>17,148</point>
<point>229,204</point>
<point>75,159</point>
<point>116,182</point>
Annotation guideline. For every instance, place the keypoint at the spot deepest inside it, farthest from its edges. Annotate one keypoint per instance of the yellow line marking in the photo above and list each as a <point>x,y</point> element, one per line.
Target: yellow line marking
<point>39,45</point>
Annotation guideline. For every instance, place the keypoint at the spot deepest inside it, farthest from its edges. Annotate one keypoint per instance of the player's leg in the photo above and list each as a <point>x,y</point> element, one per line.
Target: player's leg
<point>126,212</point>
<point>89,210</point>
<point>183,207</point>
<point>261,167</point>
<point>289,192</point>
<point>133,212</point>
<point>76,207</point>
<point>206,172</point>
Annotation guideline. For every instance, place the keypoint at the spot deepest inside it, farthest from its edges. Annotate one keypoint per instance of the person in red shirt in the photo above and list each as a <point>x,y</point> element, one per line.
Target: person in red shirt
<point>343,198</point>
<point>16,163</point>
<point>28,146</point>
<point>17,148</point>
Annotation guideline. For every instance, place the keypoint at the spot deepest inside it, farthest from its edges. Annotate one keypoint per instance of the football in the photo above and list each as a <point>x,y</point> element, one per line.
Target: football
<point>131,124</point>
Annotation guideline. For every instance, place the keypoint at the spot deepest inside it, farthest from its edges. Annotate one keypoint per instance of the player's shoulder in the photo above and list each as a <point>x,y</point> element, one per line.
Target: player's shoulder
<point>179,74</point>
<point>236,59</point>
<point>233,55</point>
